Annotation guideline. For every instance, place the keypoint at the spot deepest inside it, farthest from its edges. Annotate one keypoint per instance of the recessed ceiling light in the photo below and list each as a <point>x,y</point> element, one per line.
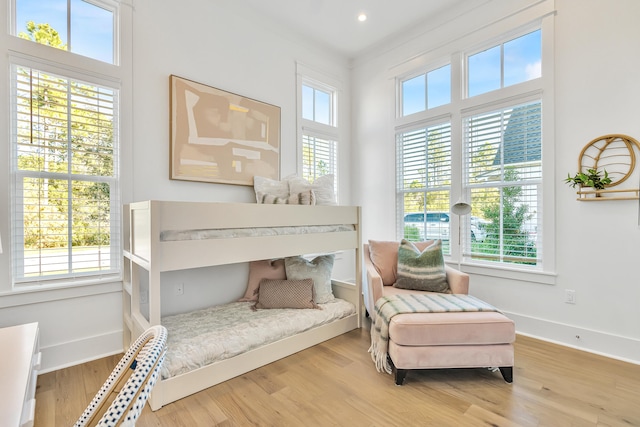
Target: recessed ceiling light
<point>362,17</point>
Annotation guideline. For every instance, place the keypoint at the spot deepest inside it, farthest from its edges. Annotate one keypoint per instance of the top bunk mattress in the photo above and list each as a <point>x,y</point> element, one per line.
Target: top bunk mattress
<point>199,338</point>
<point>227,233</point>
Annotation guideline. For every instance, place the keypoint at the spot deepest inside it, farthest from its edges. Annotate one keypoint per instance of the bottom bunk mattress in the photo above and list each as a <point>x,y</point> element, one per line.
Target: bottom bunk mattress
<point>202,337</point>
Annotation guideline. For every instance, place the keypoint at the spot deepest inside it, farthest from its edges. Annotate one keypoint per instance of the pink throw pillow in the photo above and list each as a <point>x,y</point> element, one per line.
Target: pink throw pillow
<point>384,256</point>
<point>258,270</point>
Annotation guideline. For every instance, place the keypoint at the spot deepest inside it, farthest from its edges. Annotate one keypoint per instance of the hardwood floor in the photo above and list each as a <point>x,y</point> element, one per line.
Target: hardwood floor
<point>336,384</point>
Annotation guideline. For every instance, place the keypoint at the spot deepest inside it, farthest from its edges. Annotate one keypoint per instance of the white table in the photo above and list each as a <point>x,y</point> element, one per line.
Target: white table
<point>19,364</point>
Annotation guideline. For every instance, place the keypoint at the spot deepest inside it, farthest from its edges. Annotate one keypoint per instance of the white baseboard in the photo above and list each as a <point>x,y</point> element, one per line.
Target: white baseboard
<point>72,353</point>
<point>614,346</point>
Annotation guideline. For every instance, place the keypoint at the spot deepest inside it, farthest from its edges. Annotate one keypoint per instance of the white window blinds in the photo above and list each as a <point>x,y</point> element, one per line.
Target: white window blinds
<point>503,177</point>
<point>319,157</point>
<point>66,215</point>
<point>424,183</point>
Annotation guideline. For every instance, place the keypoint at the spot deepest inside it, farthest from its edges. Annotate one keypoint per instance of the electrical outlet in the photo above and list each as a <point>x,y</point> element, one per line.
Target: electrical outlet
<point>569,296</point>
<point>179,290</point>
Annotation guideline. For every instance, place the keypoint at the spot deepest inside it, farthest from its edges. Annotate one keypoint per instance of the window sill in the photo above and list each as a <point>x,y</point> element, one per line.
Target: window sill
<point>541,277</point>
<point>25,295</point>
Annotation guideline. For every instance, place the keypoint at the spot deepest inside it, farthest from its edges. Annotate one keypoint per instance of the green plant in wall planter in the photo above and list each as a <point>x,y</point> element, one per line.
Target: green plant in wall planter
<point>592,178</point>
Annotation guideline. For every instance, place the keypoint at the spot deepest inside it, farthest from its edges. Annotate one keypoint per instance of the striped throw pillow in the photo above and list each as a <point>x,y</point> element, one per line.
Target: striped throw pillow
<point>304,198</point>
<point>421,270</point>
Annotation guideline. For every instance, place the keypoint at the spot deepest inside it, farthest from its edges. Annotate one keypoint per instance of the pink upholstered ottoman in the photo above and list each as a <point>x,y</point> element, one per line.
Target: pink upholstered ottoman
<point>451,340</point>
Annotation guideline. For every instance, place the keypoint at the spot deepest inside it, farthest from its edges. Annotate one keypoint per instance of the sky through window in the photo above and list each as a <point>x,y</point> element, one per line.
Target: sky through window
<point>92,27</point>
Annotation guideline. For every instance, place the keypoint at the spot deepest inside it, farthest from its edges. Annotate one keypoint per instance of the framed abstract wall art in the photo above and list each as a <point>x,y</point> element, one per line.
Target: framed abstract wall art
<point>221,137</point>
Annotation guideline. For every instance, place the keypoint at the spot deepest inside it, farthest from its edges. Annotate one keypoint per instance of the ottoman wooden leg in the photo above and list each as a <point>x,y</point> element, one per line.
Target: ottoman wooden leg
<point>400,375</point>
<point>507,373</point>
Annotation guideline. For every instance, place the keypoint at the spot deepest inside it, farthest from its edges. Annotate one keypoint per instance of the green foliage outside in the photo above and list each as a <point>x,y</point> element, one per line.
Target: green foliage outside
<point>411,233</point>
<point>43,34</point>
<point>425,195</point>
<point>515,241</point>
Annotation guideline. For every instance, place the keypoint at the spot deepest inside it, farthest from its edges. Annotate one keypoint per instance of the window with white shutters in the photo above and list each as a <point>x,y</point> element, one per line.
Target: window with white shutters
<point>424,183</point>
<point>503,181</point>
<point>64,142</point>
<point>66,214</point>
<point>318,127</point>
<point>474,131</point>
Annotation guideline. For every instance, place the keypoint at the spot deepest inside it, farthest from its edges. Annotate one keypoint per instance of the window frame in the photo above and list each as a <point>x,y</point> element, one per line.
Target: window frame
<point>112,6</point>
<point>500,185</point>
<point>424,72</point>
<point>499,41</point>
<point>329,133</point>
<point>19,279</point>
<point>72,67</point>
<point>521,23</point>
<point>402,192</point>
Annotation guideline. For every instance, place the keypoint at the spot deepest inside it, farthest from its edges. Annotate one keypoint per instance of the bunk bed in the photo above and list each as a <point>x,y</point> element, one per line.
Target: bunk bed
<point>163,236</point>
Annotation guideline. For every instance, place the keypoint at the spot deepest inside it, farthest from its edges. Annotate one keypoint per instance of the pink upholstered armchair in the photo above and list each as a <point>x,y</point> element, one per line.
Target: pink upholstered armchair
<point>433,340</point>
<point>381,265</point>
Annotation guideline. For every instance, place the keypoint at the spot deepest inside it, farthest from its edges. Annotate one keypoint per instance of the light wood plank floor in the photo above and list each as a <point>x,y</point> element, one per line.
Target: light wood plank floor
<point>336,384</point>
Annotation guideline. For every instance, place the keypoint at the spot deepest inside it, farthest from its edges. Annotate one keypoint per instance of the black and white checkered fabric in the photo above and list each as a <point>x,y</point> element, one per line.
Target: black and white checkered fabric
<point>145,358</point>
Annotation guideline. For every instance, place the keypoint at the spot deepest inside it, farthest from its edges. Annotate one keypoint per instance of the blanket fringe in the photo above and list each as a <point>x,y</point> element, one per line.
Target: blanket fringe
<point>379,355</point>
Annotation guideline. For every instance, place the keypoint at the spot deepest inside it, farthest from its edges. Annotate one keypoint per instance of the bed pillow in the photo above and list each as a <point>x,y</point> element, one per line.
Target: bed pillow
<point>421,270</point>
<point>272,187</point>
<point>384,256</point>
<point>323,188</point>
<point>319,269</point>
<point>285,294</point>
<point>258,270</point>
<point>304,198</point>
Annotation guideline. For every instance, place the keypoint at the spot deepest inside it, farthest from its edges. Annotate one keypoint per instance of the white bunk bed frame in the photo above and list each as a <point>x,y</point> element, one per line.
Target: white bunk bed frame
<point>143,223</point>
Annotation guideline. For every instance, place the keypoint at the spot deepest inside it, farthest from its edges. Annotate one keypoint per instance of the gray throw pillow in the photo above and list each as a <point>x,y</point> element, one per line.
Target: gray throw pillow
<point>421,270</point>
<point>319,269</point>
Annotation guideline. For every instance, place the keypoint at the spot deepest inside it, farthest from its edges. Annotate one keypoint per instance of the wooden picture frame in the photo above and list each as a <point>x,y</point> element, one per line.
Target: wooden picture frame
<point>221,137</point>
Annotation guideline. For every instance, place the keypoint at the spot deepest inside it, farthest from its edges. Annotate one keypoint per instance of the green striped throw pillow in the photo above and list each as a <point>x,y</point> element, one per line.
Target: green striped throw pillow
<point>421,270</point>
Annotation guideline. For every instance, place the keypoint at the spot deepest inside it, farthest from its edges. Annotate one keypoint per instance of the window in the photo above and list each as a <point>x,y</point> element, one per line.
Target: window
<point>426,91</point>
<point>424,180</point>
<point>504,179</point>
<point>82,27</point>
<point>516,61</point>
<point>485,150</point>
<point>319,129</point>
<point>64,146</point>
<point>317,105</point>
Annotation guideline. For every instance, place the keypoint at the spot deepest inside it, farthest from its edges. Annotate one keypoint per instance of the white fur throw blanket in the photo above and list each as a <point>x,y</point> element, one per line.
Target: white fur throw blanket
<point>387,307</point>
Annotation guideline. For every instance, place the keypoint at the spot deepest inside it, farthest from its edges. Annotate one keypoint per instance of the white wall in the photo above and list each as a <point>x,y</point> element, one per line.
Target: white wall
<point>597,244</point>
<point>223,45</point>
<point>213,42</point>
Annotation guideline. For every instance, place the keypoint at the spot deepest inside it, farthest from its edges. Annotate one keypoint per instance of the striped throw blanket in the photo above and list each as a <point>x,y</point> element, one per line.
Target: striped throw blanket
<point>389,306</point>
